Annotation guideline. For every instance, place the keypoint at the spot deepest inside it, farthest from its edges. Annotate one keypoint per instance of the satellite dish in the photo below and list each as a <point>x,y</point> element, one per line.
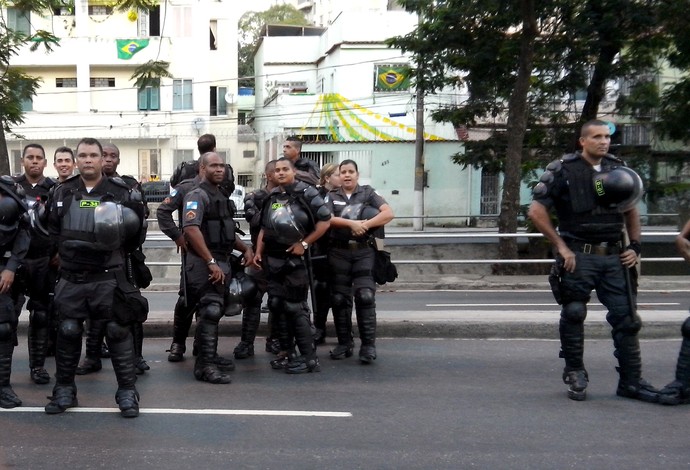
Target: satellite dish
<point>198,123</point>
<point>230,98</point>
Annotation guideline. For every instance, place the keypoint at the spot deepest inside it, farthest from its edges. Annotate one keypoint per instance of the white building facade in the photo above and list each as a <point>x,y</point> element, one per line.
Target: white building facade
<point>87,90</point>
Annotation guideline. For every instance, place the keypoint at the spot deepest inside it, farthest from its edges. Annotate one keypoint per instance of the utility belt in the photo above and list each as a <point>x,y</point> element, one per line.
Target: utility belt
<point>600,248</point>
<point>348,244</point>
<point>84,277</point>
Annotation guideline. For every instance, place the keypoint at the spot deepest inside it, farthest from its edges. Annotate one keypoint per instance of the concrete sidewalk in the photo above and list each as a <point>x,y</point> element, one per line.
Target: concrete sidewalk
<point>479,324</point>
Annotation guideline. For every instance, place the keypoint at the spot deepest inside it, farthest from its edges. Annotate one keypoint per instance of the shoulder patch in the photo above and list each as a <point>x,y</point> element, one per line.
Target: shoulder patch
<point>190,215</point>
<point>191,205</point>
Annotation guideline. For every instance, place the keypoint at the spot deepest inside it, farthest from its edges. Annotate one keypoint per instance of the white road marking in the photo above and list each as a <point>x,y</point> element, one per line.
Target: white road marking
<point>183,411</point>
<point>646,304</point>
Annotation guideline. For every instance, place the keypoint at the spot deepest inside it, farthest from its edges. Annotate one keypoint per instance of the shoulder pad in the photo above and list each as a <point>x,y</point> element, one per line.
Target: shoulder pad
<point>614,159</point>
<point>118,181</point>
<point>571,157</point>
<point>130,180</point>
<point>554,166</point>
<point>8,180</point>
<point>311,192</point>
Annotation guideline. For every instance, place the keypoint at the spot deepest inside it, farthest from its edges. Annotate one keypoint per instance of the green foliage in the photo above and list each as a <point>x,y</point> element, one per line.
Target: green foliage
<point>250,28</point>
<point>150,73</point>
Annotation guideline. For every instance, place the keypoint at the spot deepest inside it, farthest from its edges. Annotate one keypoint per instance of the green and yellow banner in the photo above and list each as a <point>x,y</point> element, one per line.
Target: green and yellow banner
<point>126,48</point>
<point>392,78</point>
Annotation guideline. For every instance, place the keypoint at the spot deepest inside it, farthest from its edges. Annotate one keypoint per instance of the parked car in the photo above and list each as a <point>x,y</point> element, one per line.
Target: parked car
<point>238,197</point>
<point>156,191</point>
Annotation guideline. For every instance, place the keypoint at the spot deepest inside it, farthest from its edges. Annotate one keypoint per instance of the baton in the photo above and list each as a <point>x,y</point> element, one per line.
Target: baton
<point>184,278</point>
<point>310,274</point>
<point>628,285</point>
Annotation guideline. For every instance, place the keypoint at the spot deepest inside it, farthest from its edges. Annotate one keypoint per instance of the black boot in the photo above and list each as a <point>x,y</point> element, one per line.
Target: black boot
<point>678,391</point>
<point>251,317</point>
<point>572,350</point>
<point>631,384</point>
<point>94,345</point>
<point>138,340</point>
<point>182,322</point>
<point>366,324</point>
<point>38,344</point>
<point>302,364</point>
<point>342,319</point>
<point>123,358</point>
<point>67,352</point>
<point>8,399</point>
<point>64,397</point>
<point>205,368</point>
<point>578,380</point>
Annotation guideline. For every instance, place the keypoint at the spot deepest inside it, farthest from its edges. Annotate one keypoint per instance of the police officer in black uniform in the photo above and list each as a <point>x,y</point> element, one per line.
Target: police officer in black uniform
<point>591,255</point>
<point>293,218</point>
<point>251,314</point>
<point>359,212</point>
<point>97,221</point>
<point>95,348</point>
<point>678,391</point>
<point>305,170</point>
<point>14,244</point>
<point>35,273</point>
<point>209,228</point>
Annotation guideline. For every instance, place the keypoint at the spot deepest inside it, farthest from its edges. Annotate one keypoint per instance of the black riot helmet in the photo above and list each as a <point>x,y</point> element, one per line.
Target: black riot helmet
<point>619,188</point>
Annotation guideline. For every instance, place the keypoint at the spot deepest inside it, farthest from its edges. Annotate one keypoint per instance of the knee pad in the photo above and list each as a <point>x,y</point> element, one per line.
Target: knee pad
<point>685,329</point>
<point>295,308</point>
<point>338,300</point>
<point>628,326</point>
<point>365,297</point>
<point>275,304</point>
<point>116,332</point>
<point>211,312</point>
<point>70,329</point>
<point>6,332</point>
<point>574,312</point>
<point>39,319</point>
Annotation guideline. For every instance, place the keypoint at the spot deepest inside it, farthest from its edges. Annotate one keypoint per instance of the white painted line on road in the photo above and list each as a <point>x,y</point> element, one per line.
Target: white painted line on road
<point>182,411</point>
<point>646,304</point>
<point>513,291</point>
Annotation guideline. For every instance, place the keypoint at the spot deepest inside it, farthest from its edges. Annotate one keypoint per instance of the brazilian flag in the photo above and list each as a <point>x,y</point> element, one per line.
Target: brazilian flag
<point>126,48</point>
<point>392,78</point>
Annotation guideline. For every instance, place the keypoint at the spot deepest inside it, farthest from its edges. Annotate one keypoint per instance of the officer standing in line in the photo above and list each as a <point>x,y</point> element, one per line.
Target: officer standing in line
<point>678,391</point>
<point>14,244</point>
<point>97,221</point>
<point>63,162</point>
<point>34,275</point>
<point>209,228</point>
<point>95,347</point>
<point>294,217</point>
<point>590,254</point>
<point>305,170</point>
<point>358,213</point>
<point>251,315</point>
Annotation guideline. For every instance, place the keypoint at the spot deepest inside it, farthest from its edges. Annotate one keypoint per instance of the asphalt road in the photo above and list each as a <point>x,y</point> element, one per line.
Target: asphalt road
<point>424,404</point>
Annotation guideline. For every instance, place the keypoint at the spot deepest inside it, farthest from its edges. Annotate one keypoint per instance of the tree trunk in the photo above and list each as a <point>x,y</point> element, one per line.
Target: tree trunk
<point>4,154</point>
<point>516,127</point>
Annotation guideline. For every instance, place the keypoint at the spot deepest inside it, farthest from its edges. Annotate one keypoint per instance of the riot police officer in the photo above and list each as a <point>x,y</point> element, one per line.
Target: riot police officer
<point>251,314</point>
<point>591,254</point>
<point>678,391</point>
<point>209,229</point>
<point>294,217</point>
<point>359,213</point>
<point>14,244</point>
<point>97,221</point>
<point>35,274</point>
<point>305,170</point>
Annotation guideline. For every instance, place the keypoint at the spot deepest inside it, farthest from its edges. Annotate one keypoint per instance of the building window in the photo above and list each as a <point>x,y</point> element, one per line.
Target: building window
<point>182,95</point>
<point>223,154</point>
<point>242,117</point>
<point>18,20</point>
<point>66,82</point>
<point>100,82</point>
<point>489,198</point>
<point>635,134</point>
<point>245,180</point>
<point>17,166</point>
<point>213,34</point>
<point>149,98</point>
<point>100,10</point>
<point>219,107</point>
<point>149,163</point>
<point>182,155</point>
<point>27,104</point>
<point>248,154</point>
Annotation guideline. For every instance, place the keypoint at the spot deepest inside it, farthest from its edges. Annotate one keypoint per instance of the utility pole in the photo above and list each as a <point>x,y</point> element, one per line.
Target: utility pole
<point>418,205</point>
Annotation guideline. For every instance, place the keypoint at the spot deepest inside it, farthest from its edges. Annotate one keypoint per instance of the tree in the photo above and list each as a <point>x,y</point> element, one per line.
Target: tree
<point>522,63</point>
<point>249,29</point>
<point>16,86</point>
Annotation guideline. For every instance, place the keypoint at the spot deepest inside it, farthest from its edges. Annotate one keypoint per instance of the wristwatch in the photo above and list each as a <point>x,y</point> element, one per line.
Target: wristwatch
<point>211,261</point>
<point>305,245</point>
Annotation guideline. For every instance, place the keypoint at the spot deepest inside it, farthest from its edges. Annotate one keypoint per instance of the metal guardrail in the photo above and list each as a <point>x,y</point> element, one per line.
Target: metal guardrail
<point>453,235</point>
